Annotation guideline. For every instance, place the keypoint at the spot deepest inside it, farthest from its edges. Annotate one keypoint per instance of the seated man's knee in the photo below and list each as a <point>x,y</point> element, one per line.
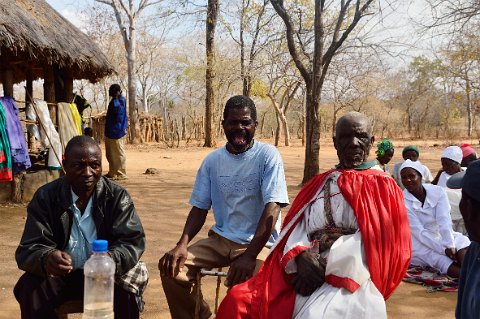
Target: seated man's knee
<point>25,285</point>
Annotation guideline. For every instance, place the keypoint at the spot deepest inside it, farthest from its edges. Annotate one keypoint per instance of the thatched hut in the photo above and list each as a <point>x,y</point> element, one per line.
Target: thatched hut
<point>37,42</point>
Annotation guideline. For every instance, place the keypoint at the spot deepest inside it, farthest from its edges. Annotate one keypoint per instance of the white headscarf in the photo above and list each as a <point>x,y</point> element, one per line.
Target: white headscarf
<point>454,153</point>
<point>415,165</point>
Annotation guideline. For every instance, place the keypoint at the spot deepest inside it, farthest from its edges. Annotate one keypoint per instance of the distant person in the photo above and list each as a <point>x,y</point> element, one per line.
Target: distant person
<point>88,131</point>
<point>412,153</point>
<point>244,184</point>
<point>385,152</point>
<point>451,158</point>
<point>434,243</point>
<point>116,125</point>
<point>344,247</point>
<point>63,219</point>
<point>468,302</point>
<point>469,155</point>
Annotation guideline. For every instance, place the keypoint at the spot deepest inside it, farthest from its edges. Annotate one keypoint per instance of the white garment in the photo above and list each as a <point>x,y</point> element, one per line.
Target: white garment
<point>427,175</point>
<point>454,197</point>
<point>346,258</point>
<point>47,135</point>
<point>431,229</point>
<point>442,180</point>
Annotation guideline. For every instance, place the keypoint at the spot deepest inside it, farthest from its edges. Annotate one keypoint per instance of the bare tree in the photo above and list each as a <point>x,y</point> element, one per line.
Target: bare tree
<point>463,64</point>
<point>126,9</point>
<point>211,24</point>
<point>254,21</point>
<point>456,15</point>
<point>333,22</point>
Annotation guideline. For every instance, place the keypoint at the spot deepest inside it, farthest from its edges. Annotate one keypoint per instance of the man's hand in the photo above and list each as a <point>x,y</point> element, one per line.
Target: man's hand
<point>172,262</point>
<point>241,269</point>
<point>451,253</point>
<point>310,273</point>
<point>58,263</point>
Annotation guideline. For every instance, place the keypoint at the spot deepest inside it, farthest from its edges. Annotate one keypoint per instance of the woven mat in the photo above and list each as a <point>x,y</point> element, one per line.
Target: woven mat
<point>430,278</point>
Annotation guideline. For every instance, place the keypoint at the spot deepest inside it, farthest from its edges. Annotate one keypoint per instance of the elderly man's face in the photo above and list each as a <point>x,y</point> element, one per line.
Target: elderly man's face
<point>83,168</point>
<point>352,142</point>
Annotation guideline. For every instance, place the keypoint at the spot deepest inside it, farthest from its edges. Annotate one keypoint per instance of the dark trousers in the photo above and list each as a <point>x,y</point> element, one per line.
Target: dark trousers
<point>38,297</point>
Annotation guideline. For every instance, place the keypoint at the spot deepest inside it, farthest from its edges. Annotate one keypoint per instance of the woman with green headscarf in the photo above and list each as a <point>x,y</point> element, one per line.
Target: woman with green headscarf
<point>385,151</point>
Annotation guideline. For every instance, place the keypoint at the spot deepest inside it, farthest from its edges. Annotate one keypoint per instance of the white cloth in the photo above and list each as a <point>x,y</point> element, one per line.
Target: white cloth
<point>328,301</point>
<point>48,135</point>
<point>431,229</point>
<point>427,175</point>
<point>442,180</point>
<point>454,153</point>
<point>454,197</point>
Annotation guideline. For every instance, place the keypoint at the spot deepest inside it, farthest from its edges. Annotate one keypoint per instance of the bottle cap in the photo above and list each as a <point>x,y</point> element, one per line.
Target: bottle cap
<point>100,246</point>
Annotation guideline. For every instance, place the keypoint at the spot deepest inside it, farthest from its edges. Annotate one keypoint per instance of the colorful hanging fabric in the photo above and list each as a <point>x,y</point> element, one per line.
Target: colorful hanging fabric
<point>16,136</point>
<point>77,119</point>
<point>5,157</point>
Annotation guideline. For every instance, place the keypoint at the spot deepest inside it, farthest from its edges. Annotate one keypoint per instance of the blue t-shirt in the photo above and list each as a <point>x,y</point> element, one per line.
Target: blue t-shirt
<point>238,187</point>
<point>468,303</point>
<point>116,122</point>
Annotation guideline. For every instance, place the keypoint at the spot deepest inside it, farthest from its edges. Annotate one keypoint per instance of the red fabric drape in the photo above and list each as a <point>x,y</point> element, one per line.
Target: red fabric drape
<point>383,222</point>
<point>379,208</point>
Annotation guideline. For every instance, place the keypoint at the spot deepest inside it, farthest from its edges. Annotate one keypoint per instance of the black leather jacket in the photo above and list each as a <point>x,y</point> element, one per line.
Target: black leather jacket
<point>49,221</point>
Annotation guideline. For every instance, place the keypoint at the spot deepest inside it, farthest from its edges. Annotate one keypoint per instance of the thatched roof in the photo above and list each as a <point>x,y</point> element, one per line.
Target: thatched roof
<point>34,35</point>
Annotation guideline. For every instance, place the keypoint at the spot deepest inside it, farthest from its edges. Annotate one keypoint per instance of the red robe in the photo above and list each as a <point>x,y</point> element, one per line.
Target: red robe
<point>382,220</point>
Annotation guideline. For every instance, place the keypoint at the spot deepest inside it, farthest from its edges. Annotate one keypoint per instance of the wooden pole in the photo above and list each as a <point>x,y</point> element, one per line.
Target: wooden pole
<point>49,92</point>
<point>68,89</point>
<point>8,82</point>
<point>29,99</point>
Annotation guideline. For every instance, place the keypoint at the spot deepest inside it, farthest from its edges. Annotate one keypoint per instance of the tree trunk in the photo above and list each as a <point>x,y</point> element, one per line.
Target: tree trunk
<point>132,90</point>
<point>469,105</point>
<point>278,129</point>
<point>312,140</point>
<point>211,23</point>
<point>286,132</point>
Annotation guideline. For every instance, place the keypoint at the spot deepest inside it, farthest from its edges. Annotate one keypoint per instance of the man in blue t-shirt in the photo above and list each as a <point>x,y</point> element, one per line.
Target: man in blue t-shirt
<point>468,303</point>
<point>244,184</point>
<point>116,125</point>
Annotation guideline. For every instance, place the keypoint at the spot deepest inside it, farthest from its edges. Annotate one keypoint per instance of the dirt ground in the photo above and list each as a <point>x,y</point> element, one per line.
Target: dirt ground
<point>162,203</point>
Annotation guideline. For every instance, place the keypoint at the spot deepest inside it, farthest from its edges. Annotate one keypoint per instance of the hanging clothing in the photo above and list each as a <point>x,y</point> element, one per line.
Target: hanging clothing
<point>16,137</point>
<point>5,158</point>
<point>66,124</point>
<point>77,119</point>
<point>47,135</point>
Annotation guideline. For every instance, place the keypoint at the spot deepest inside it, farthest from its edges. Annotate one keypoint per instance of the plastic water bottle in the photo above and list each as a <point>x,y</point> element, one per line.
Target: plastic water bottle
<point>99,273</point>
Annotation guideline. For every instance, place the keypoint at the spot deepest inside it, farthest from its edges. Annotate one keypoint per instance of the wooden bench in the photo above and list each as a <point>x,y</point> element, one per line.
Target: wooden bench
<point>71,306</point>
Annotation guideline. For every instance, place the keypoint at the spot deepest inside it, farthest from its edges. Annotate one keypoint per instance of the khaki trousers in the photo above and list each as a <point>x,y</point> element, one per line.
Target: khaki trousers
<point>212,252</point>
<point>115,153</point>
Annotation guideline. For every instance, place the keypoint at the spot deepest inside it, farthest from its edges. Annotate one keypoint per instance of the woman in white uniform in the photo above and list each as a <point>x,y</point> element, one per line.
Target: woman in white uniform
<point>434,243</point>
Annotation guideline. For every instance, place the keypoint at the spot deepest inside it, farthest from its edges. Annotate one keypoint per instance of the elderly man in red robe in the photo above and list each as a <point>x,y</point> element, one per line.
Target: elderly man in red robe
<point>344,246</point>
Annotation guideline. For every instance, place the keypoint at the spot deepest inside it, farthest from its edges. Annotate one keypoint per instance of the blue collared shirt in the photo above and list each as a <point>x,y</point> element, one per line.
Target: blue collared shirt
<point>116,122</point>
<point>82,234</point>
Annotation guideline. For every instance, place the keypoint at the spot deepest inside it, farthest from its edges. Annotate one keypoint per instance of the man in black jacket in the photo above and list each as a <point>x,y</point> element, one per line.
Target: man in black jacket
<point>63,218</point>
